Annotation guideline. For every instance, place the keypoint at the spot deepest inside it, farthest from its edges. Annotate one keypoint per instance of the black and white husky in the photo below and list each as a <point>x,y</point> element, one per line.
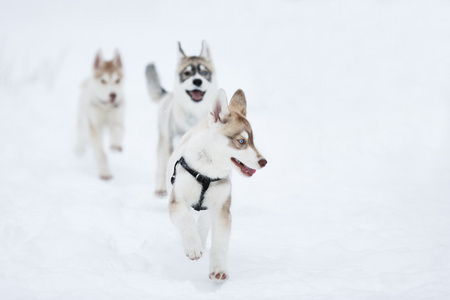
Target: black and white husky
<point>185,107</point>
<point>201,166</point>
<point>101,108</point>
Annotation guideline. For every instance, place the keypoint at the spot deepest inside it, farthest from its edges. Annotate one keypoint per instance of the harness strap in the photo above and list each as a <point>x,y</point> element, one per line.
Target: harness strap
<point>205,181</point>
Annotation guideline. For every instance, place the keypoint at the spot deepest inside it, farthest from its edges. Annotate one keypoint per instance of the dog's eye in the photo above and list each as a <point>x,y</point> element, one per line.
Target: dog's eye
<point>241,141</point>
<point>204,73</point>
<point>117,81</point>
<point>187,73</point>
<point>103,81</point>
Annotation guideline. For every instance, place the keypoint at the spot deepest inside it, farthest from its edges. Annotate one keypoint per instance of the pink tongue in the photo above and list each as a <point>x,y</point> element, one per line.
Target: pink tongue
<point>197,95</point>
<point>248,170</point>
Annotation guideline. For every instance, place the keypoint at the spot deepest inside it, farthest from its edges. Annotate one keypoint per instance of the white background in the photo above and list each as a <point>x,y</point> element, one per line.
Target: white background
<point>349,103</point>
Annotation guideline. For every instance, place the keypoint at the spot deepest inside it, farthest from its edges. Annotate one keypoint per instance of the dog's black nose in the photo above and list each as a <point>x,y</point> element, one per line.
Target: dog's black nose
<point>197,82</point>
<point>112,97</point>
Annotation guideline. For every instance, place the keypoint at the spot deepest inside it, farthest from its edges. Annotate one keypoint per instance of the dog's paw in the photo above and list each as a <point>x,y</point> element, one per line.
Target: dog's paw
<point>105,177</point>
<point>160,193</point>
<point>194,254</point>
<point>219,276</point>
<point>193,248</point>
<point>116,148</point>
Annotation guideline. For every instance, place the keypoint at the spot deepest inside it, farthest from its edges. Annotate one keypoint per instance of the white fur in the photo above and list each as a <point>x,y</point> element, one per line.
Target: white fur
<point>96,113</point>
<point>207,151</point>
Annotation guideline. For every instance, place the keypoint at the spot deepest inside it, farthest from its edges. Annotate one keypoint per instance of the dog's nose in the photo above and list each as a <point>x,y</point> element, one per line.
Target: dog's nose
<point>197,82</point>
<point>112,97</point>
<point>262,162</point>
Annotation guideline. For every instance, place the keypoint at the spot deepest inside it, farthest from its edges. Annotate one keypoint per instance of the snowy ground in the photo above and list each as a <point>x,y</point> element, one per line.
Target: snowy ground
<point>349,102</point>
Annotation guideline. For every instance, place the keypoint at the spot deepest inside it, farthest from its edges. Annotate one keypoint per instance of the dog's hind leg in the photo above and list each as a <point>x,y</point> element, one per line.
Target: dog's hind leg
<point>185,222</point>
<point>164,152</point>
<point>203,224</point>
<point>221,227</point>
<point>99,153</point>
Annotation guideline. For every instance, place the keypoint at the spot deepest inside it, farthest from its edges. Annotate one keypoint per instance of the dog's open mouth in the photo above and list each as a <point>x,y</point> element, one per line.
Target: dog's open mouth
<point>244,169</point>
<point>196,95</point>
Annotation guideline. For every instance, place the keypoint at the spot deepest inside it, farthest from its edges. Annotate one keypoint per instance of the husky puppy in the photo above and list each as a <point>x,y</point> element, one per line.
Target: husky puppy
<point>101,107</point>
<point>201,166</point>
<point>185,107</point>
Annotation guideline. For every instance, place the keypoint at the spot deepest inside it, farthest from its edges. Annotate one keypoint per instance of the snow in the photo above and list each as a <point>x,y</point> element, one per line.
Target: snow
<point>349,103</point>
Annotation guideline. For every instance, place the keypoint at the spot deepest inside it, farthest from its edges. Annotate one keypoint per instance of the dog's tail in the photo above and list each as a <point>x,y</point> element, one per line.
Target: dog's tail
<point>154,87</point>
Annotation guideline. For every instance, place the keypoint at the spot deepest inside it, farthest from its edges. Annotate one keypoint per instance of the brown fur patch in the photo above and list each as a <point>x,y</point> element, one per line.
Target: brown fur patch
<point>226,206</point>
<point>238,103</point>
<point>92,129</point>
<point>108,67</point>
<point>193,60</point>
<point>172,202</point>
<point>172,198</point>
<point>235,124</point>
<point>226,214</point>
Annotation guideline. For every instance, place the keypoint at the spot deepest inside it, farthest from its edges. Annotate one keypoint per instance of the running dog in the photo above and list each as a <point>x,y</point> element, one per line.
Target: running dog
<point>184,108</point>
<point>201,166</point>
<point>101,106</point>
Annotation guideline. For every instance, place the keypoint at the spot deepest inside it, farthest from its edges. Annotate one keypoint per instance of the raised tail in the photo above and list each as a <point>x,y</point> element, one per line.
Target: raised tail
<point>154,87</point>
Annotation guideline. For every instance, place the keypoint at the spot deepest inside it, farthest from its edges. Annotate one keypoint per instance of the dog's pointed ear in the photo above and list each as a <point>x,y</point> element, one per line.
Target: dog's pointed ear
<point>219,108</point>
<point>98,61</point>
<point>181,53</point>
<point>205,53</point>
<point>238,103</point>
<point>117,60</point>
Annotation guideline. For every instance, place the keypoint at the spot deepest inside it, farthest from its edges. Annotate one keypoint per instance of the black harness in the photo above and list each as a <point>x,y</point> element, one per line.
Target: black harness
<point>203,180</point>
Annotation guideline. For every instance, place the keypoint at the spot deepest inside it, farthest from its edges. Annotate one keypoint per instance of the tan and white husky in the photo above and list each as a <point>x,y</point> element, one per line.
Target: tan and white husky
<point>182,109</point>
<point>101,107</point>
<point>201,166</point>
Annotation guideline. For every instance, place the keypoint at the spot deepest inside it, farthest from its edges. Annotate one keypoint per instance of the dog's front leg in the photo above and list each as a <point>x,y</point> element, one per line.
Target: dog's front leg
<point>203,225</point>
<point>221,227</point>
<point>99,153</point>
<point>82,136</point>
<point>185,222</point>
<point>116,136</point>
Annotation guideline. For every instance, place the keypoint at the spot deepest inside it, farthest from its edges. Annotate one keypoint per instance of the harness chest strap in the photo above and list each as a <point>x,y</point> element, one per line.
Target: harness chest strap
<point>205,181</point>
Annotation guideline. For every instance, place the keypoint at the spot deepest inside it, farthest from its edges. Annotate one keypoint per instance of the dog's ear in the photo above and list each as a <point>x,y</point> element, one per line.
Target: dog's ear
<point>238,103</point>
<point>98,61</point>
<point>181,53</point>
<point>205,53</point>
<point>219,108</point>
<point>117,60</point>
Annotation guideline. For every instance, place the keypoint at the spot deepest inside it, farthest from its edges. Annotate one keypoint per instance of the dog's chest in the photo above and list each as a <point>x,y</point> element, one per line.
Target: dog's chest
<point>104,117</point>
<point>187,188</point>
<point>183,122</point>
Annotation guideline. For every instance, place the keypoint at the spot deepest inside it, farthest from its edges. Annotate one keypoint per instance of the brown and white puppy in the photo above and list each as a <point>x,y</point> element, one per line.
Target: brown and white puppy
<point>182,109</point>
<point>223,142</point>
<point>101,106</point>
